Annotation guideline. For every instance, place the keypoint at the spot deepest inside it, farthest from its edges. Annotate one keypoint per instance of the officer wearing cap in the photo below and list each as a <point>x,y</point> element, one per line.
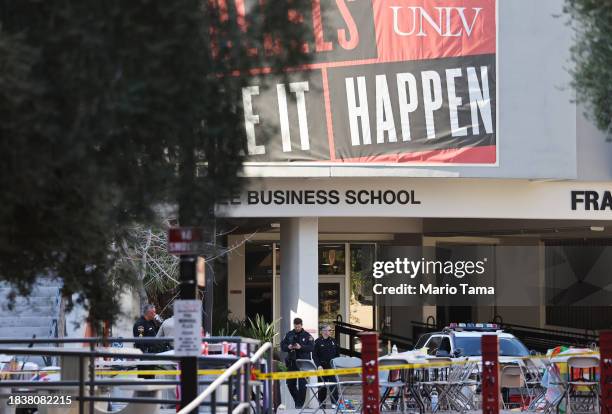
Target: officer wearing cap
<point>298,344</point>
<point>326,349</point>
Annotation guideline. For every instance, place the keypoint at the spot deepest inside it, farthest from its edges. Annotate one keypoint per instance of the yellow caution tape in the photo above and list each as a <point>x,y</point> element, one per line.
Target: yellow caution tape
<point>293,374</point>
<point>306,374</point>
<point>347,371</point>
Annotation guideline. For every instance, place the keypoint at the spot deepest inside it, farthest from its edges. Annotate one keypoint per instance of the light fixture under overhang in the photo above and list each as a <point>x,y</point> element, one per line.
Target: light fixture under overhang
<point>597,228</point>
<point>275,225</point>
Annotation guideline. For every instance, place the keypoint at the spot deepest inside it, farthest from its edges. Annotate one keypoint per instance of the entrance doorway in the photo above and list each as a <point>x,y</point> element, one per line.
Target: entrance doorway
<point>332,299</point>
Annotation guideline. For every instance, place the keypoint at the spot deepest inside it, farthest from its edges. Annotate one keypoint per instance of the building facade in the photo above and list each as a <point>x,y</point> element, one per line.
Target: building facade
<point>532,185</point>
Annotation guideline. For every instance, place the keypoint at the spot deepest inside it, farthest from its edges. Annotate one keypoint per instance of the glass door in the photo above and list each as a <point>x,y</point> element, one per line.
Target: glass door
<point>332,299</point>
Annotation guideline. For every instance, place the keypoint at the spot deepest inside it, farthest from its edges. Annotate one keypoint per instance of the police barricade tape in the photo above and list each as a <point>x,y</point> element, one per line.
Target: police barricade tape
<point>283,375</point>
<point>420,365</point>
<point>306,374</point>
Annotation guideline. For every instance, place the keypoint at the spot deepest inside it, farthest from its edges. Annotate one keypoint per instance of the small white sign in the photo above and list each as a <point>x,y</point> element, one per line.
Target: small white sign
<point>187,327</point>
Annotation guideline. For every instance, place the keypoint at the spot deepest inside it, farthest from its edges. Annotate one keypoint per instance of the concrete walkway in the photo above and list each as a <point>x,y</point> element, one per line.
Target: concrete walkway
<point>330,411</point>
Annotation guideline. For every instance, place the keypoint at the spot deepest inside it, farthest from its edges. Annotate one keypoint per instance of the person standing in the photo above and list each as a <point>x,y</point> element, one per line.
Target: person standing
<point>146,327</point>
<point>166,328</point>
<point>298,344</point>
<point>326,349</point>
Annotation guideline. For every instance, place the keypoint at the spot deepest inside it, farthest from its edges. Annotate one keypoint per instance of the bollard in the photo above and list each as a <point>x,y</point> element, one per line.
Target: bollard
<point>369,375</point>
<point>605,365</point>
<point>490,374</point>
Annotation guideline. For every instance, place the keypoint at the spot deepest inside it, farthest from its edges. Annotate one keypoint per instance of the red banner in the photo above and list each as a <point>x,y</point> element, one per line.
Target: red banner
<point>391,81</point>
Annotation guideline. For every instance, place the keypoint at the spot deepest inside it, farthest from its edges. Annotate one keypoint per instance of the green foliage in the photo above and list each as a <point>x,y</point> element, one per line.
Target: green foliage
<point>592,56</point>
<point>109,109</point>
<point>262,330</point>
<point>256,328</point>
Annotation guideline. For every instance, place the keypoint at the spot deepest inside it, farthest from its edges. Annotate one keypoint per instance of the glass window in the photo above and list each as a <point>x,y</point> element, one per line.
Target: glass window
<point>471,346</point>
<point>576,271</point>
<point>329,303</point>
<point>362,260</point>
<point>445,345</point>
<point>258,283</point>
<point>331,259</point>
<point>422,340</point>
<point>258,261</point>
<point>362,302</point>
<point>433,344</point>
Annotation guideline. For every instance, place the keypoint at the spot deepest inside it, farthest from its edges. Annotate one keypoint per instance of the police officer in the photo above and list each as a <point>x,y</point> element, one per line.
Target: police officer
<point>299,344</point>
<point>326,349</point>
<point>146,326</point>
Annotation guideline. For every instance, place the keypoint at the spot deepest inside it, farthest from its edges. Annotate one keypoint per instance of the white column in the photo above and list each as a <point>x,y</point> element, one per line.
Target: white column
<point>299,275</point>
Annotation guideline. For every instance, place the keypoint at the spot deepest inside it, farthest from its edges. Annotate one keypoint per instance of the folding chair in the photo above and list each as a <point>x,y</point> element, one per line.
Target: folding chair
<point>511,376</point>
<point>582,389</point>
<point>313,387</point>
<point>532,375</point>
<point>436,381</point>
<point>461,391</point>
<point>348,382</point>
<point>395,382</point>
<point>555,391</point>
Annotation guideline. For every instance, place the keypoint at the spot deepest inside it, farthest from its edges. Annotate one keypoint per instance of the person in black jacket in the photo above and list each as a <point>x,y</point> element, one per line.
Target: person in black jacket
<point>326,349</point>
<point>298,344</point>
<point>146,326</point>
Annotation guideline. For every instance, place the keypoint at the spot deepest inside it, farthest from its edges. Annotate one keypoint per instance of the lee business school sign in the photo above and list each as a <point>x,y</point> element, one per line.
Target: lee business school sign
<point>425,197</point>
<point>391,81</point>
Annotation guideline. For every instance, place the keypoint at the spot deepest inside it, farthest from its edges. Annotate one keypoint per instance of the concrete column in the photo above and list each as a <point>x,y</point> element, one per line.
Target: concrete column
<point>299,275</point>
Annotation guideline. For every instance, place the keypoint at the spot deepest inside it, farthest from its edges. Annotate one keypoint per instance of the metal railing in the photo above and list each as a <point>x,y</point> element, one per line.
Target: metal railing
<point>80,378</point>
<point>235,368</point>
<point>353,331</point>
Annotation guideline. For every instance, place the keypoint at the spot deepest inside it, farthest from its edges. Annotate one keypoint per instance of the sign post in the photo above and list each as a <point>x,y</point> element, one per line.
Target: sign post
<point>369,358</point>
<point>187,328</point>
<point>187,242</point>
<point>490,374</point>
<point>605,358</point>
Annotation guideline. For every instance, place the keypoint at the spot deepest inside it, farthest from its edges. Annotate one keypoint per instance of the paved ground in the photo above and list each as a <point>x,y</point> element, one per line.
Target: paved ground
<point>329,411</point>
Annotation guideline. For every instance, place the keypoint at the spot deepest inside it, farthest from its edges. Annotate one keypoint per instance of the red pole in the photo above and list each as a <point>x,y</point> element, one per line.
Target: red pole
<point>605,365</point>
<point>490,374</point>
<point>369,364</point>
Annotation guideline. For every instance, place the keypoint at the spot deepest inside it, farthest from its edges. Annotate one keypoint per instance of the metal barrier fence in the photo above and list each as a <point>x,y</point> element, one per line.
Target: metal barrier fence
<point>83,372</point>
<point>353,332</point>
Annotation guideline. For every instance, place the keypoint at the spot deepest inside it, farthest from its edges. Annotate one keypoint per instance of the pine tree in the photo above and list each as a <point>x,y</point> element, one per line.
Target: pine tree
<point>109,109</point>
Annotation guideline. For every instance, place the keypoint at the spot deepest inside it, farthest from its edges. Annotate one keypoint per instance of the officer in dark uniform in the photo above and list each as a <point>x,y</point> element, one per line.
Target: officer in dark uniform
<point>326,349</point>
<point>146,326</point>
<point>299,344</point>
